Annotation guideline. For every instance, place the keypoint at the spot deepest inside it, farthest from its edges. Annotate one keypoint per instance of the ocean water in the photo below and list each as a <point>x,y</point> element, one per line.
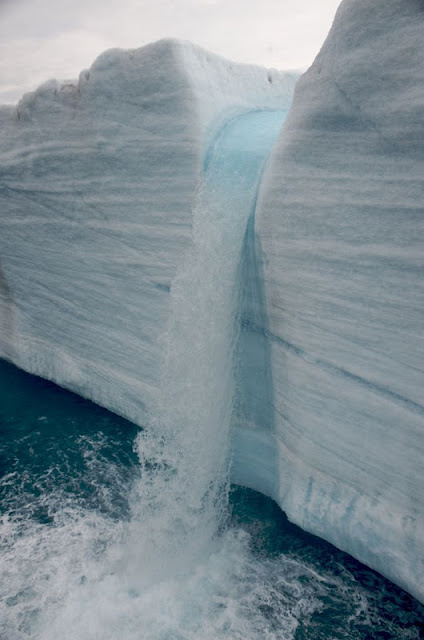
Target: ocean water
<point>69,516</point>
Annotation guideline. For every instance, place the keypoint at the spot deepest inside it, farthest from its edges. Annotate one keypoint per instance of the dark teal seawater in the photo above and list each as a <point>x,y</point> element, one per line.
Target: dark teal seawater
<point>61,455</point>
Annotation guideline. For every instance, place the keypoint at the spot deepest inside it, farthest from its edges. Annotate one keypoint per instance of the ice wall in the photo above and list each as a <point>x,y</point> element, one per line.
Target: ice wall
<point>340,227</point>
<point>97,180</point>
<point>97,183</point>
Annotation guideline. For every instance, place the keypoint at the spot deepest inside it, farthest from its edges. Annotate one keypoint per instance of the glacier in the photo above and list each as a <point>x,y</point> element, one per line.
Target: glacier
<point>340,227</point>
<point>154,260</point>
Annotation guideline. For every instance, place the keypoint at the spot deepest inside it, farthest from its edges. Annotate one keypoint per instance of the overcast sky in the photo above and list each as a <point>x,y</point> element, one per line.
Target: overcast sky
<point>43,39</point>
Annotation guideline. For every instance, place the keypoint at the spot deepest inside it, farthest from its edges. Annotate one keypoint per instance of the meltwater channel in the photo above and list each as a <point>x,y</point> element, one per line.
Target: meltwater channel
<point>111,531</point>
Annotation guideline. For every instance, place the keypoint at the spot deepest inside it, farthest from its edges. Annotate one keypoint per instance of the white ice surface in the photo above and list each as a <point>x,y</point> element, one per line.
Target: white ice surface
<point>96,188</point>
<point>340,223</point>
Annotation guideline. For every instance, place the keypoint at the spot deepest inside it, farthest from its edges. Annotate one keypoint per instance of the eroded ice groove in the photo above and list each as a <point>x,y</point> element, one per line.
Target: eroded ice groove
<point>255,456</point>
<point>185,450</point>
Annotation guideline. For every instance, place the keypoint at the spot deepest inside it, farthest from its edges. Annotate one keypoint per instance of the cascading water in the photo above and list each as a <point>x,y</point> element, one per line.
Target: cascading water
<point>185,450</point>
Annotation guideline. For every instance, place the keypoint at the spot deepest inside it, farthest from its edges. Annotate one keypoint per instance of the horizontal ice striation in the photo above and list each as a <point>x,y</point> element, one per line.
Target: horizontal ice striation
<point>97,181</point>
<point>340,224</point>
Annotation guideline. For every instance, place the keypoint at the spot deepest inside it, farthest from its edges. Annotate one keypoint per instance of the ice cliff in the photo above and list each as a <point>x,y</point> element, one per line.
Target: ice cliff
<point>340,230</point>
<point>97,186</point>
<point>97,180</point>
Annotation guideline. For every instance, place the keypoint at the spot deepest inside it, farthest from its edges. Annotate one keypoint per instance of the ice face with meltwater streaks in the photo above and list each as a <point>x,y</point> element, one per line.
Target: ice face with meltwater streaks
<point>340,225</point>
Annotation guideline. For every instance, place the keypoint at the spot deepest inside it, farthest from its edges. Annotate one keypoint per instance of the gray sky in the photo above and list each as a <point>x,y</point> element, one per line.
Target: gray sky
<point>43,39</point>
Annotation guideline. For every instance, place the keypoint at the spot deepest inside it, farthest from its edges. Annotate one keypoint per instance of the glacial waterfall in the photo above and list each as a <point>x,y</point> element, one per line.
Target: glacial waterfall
<point>184,451</point>
<point>93,546</point>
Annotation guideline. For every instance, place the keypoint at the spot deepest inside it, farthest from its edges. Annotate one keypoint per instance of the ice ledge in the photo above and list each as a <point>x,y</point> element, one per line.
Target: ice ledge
<point>220,88</point>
